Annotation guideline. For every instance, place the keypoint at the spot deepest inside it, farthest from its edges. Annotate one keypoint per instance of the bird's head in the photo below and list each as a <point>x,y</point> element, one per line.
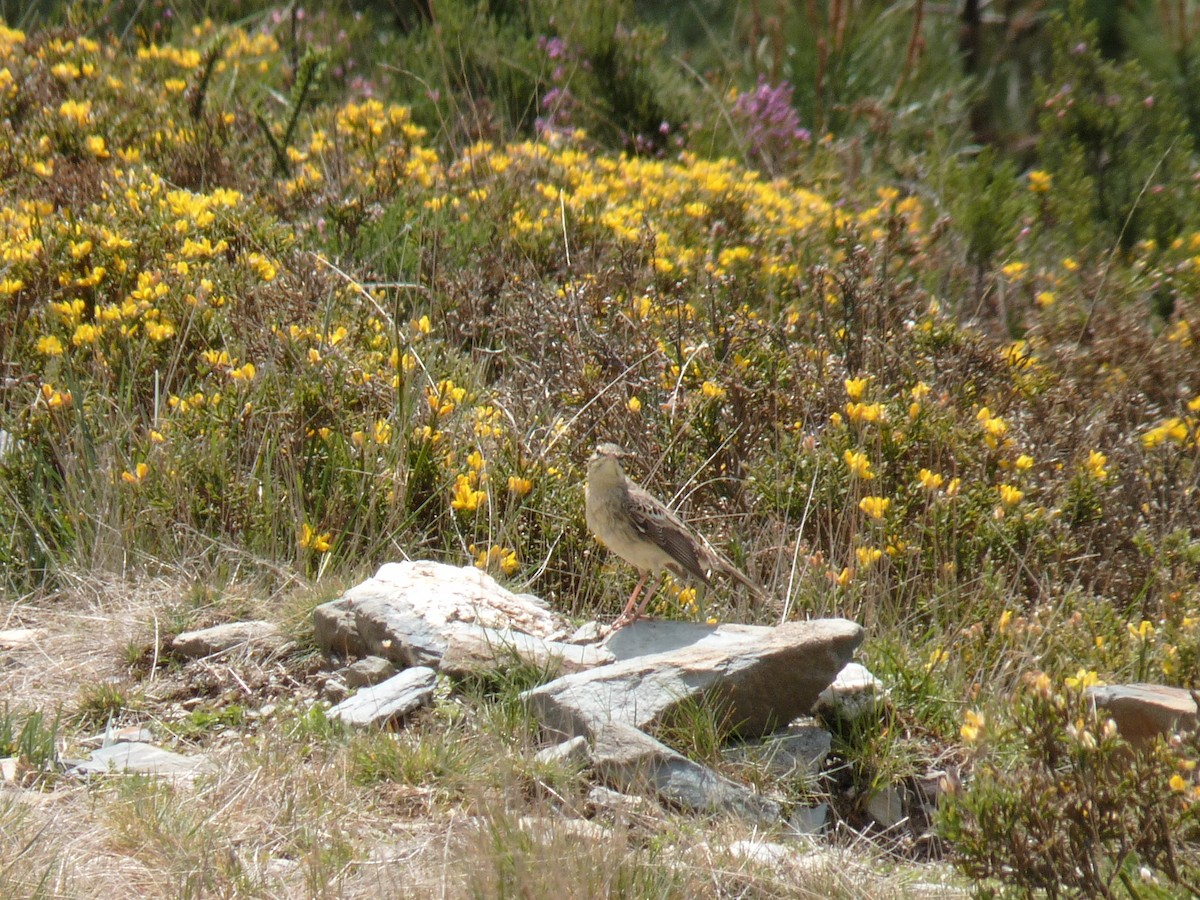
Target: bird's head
<point>607,455</point>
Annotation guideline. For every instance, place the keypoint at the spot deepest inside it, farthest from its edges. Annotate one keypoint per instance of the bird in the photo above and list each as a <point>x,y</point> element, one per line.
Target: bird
<point>643,531</point>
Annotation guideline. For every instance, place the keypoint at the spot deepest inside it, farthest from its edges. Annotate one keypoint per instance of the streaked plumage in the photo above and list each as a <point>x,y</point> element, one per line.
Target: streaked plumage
<point>640,529</point>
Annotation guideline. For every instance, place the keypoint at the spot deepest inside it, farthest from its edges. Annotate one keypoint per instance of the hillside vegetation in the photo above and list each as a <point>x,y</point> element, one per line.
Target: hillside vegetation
<point>284,297</point>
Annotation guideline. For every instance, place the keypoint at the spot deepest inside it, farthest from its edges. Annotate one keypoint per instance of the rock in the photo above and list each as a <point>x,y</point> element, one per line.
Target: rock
<point>854,691</point>
<point>759,678</point>
<point>604,801</point>
<point>760,681</point>
<point>8,443</point>
<point>809,821</point>
<point>389,700</point>
<point>571,753</point>
<point>14,638</point>
<point>632,760</point>
<point>142,759</point>
<point>645,637</point>
<point>1144,711</point>
<point>471,649</point>
<point>131,733</point>
<point>798,751</point>
<point>8,770</point>
<point>257,637</point>
<point>886,807</point>
<point>367,671</point>
<point>454,618</point>
<point>587,633</point>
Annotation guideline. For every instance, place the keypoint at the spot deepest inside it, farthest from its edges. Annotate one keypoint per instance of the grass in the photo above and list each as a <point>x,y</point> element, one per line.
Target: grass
<point>261,334</point>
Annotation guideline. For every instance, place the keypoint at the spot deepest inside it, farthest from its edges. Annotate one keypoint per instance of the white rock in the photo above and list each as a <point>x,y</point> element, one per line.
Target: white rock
<point>13,638</point>
<point>389,700</point>
<point>572,752</point>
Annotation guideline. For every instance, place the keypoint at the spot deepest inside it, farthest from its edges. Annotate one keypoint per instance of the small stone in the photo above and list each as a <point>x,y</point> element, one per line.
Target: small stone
<point>388,701</point>
<point>886,807</point>
<point>257,636</point>
<point>569,753</point>
<point>798,750</point>
<point>367,671</point>
<point>854,692</point>
<point>587,633</point>
<point>809,821</point>
<point>14,638</point>
<point>8,769</point>
<point>133,733</point>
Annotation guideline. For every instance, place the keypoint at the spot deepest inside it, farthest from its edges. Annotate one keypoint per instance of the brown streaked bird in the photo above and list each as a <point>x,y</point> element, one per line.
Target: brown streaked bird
<point>641,530</point>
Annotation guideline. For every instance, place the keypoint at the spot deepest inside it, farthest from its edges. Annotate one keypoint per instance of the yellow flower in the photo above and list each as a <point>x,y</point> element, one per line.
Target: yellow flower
<point>86,334</point>
<point>136,476</point>
<point>973,724</point>
<point>856,387</point>
<point>864,412</point>
<point>1039,181</point>
<point>95,146</point>
<point>874,507</point>
<point>1173,429</point>
<point>1013,270</point>
<point>1006,618</point>
<point>494,556</point>
<point>1083,678</point>
<point>310,540</point>
<point>49,345</point>
<point>1024,461</point>
<point>712,390</point>
<point>1096,463</point>
<point>77,111</point>
<point>859,465</point>
<point>382,432</point>
<point>867,555</point>
<point>936,658</point>
<point>519,486</point>
<point>994,427</point>
<point>634,405</point>
<point>930,481</point>
<point>465,497</point>
<point>1177,783</point>
<point>1009,495</point>
<point>1045,299</point>
<point>1141,631</point>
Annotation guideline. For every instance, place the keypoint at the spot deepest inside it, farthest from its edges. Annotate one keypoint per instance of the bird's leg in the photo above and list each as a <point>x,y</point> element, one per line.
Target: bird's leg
<point>646,600</point>
<point>624,616</point>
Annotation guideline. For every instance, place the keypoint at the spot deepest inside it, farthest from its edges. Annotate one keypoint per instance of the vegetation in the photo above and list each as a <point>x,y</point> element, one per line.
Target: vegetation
<point>286,294</point>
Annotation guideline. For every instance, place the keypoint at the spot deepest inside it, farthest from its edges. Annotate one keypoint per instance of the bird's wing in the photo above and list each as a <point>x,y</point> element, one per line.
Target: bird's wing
<point>654,520</point>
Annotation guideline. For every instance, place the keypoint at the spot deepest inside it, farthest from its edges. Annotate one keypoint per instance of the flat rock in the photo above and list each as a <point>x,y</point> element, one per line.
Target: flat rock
<point>389,700</point>
<point>140,758</point>
<point>760,680</point>
<point>253,636</point>
<point>454,618</point>
<point>631,760</point>
<point>645,637</point>
<point>1143,711</point>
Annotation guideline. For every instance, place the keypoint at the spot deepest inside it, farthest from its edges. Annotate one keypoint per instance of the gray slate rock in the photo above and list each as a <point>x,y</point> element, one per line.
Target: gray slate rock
<point>631,760</point>
<point>764,680</point>
<point>389,700</point>
<point>254,636</point>
<point>140,758</point>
